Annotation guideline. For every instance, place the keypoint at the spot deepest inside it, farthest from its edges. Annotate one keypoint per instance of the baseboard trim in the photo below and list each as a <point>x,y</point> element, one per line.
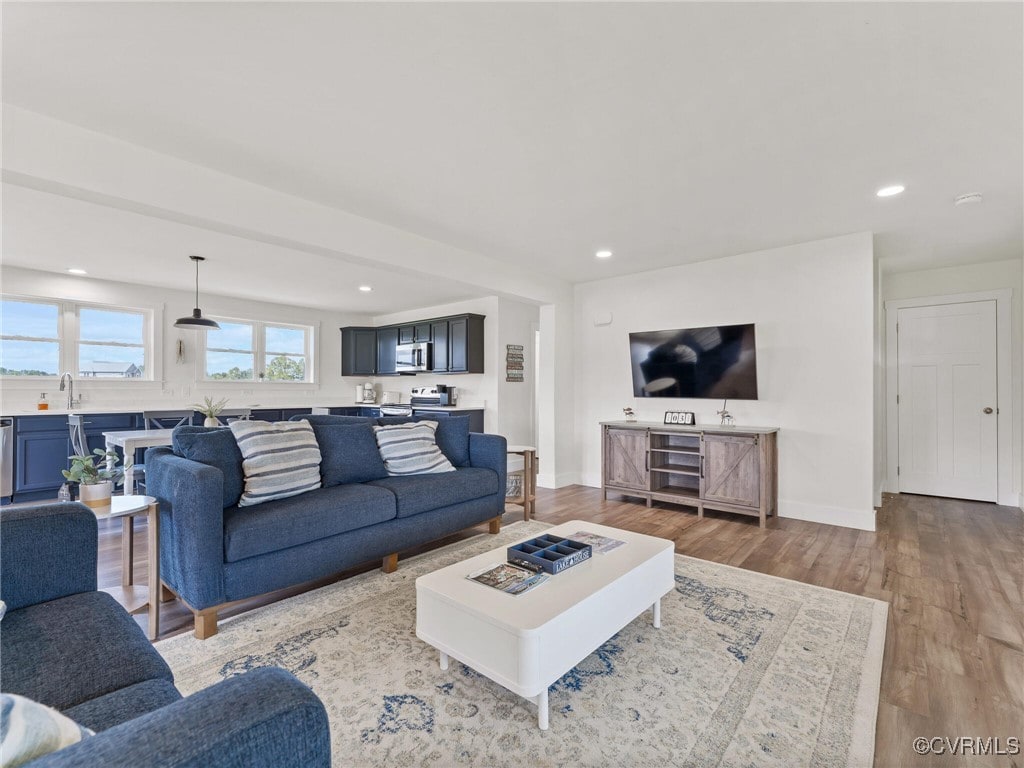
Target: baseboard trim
<point>863,520</point>
<point>552,481</point>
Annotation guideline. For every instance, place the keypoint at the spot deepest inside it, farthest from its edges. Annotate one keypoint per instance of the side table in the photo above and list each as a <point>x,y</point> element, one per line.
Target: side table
<point>136,598</point>
<point>527,499</point>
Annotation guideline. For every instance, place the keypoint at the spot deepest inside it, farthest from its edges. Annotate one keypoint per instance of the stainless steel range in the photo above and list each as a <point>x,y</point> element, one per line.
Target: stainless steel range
<point>438,394</point>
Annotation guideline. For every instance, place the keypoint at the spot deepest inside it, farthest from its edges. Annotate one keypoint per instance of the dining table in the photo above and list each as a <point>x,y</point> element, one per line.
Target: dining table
<point>130,441</point>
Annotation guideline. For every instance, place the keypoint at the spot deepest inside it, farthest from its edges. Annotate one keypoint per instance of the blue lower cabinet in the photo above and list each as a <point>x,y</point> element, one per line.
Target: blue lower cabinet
<point>372,413</point>
<point>287,413</point>
<point>476,418</point>
<point>40,458</point>
<point>265,414</point>
<point>345,411</point>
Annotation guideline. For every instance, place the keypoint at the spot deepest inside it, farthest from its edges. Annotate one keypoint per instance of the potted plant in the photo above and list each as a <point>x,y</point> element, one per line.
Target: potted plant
<point>95,482</point>
<point>210,409</point>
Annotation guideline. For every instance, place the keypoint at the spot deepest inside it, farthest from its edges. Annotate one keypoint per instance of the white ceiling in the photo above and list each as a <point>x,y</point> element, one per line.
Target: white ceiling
<point>54,233</point>
<point>537,133</point>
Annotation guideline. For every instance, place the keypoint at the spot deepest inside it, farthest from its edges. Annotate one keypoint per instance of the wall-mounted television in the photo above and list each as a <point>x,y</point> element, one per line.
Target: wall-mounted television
<point>717,362</point>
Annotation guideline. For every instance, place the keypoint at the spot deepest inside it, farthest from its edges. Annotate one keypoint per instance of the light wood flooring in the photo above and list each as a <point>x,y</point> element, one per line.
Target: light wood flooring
<point>952,572</point>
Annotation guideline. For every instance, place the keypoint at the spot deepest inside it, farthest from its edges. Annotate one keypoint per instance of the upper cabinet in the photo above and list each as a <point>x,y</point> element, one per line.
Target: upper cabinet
<point>466,344</point>
<point>359,351</point>
<point>457,346</point>
<point>387,341</point>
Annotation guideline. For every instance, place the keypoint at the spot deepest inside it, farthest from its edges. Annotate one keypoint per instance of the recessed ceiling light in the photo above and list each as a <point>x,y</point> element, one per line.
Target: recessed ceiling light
<point>603,254</point>
<point>895,189</point>
<point>365,288</point>
<point>76,271</point>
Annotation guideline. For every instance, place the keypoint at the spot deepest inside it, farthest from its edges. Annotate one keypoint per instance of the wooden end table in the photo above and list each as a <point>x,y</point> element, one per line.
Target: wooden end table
<point>527,499</point>
<point>135,598</point>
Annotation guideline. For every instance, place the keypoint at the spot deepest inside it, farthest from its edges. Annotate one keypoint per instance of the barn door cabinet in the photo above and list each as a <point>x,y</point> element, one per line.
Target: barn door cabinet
<point>733,469</point>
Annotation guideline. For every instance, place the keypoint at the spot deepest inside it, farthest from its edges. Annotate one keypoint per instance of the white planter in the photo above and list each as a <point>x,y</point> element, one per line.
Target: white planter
<point>211,421</point>
<point>97,494</point>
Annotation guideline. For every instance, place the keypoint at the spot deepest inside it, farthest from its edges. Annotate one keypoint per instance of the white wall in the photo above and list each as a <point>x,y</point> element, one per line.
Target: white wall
<point>517,322</point>
<point>813,308</point>
<point>180,383</point>
<point>967,279</point>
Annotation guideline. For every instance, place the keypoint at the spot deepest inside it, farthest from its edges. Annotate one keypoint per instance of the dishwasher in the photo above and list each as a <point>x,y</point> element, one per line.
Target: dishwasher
<point>6,457</point>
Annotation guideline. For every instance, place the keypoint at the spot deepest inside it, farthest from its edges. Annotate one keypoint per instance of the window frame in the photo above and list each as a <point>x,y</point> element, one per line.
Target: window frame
<point>147,354</point>
<point>68,340</point>
<point>259,353</point>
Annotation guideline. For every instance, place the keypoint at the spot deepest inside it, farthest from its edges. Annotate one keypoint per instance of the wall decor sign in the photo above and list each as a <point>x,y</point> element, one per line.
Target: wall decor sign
<point>680,417</point>
<point>514,360</point>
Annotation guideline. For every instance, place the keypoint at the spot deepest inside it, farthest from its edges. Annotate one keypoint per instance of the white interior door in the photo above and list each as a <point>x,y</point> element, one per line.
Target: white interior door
<point>947,400</point>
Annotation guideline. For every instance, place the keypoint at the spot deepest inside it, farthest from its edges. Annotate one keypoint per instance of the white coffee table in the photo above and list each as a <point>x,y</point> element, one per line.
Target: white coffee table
<point>527,642</point>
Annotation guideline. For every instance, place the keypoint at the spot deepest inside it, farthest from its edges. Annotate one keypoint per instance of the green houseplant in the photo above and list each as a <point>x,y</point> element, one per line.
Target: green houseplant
<point>210,410</point>
<point>95,478</point>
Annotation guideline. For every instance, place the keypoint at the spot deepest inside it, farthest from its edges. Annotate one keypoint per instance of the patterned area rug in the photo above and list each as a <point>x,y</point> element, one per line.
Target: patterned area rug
<point>747,670</point>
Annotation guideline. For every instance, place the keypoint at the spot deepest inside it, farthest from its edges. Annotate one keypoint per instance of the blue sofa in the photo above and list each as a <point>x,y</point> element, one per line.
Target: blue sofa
<point>66,645</point>
<point>214,552</point>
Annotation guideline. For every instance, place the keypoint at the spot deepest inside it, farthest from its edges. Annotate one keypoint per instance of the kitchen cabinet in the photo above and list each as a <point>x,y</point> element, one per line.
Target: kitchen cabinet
<point>734,469</point>
<point>42,447</point>
<point>439,339</point>
<point>387,341</point>
<point>358,351</point>
<point>476,417</point>
<point>457,346</point>
<point>417,332</point>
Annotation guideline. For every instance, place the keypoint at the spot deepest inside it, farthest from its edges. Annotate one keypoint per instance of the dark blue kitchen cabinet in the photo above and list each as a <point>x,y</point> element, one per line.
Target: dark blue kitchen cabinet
<point>40,458</point>
<point>476,417</point>
<point>266,414</point>
<point>439,342</point>
<point>287,413</point>
<point>387,351</point>
<point>359,351</point>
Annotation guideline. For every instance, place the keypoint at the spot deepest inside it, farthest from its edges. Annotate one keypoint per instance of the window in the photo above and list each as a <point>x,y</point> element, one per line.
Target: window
<point>29,338</point>
<point>111,344</point>
<point>284,352</point>
<point>44,338</point>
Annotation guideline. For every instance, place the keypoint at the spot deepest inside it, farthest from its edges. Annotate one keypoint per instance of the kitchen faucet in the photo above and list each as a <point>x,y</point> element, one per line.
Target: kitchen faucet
<point>66,377</point>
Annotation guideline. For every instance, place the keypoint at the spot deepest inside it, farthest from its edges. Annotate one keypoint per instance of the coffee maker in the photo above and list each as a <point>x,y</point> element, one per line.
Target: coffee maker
<point>365,393</point>
<point>446,394</point>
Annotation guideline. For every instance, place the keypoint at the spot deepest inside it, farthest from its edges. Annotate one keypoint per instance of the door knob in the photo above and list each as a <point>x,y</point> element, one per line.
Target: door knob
<point>987,410</point>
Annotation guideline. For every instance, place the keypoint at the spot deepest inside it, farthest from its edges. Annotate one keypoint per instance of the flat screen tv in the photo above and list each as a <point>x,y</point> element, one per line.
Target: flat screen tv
<point>718,362</point>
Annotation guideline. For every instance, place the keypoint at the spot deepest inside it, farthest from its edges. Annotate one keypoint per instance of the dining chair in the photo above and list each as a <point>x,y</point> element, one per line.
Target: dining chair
<point>155,419</point>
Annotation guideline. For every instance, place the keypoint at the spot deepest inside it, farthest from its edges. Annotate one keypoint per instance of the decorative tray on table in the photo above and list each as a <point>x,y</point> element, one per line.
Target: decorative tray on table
<point>552,554</point>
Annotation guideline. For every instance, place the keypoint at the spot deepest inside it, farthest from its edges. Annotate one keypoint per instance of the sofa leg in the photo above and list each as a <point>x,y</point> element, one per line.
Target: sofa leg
<point>494,526</point>
<point>206,623</point>
<point>390,563</point>
<point>166,595</point>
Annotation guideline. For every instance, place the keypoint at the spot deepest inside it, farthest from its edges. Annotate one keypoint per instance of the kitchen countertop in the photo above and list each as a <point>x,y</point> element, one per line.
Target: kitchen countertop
<point>100,408</point>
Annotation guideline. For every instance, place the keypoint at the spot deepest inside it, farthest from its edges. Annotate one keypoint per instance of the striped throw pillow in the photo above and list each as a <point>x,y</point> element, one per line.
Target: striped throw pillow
<point>411,449</point>
<point>279,459</point>
<point>29,730</point>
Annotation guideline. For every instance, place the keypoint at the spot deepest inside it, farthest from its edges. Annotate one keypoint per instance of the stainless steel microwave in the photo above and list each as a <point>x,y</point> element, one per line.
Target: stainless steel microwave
<point>411,358</point>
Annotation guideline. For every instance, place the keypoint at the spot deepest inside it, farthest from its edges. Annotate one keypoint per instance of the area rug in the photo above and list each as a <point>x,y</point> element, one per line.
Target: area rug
<point>747,670</point>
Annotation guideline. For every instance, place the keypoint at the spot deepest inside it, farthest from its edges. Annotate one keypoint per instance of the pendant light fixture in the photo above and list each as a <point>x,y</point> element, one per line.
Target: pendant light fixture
<point>196,322</point>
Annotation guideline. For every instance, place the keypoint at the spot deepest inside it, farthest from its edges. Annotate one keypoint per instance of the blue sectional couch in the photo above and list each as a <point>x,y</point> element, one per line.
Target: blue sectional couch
<point>66,645</point>
<point>214,552</point>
